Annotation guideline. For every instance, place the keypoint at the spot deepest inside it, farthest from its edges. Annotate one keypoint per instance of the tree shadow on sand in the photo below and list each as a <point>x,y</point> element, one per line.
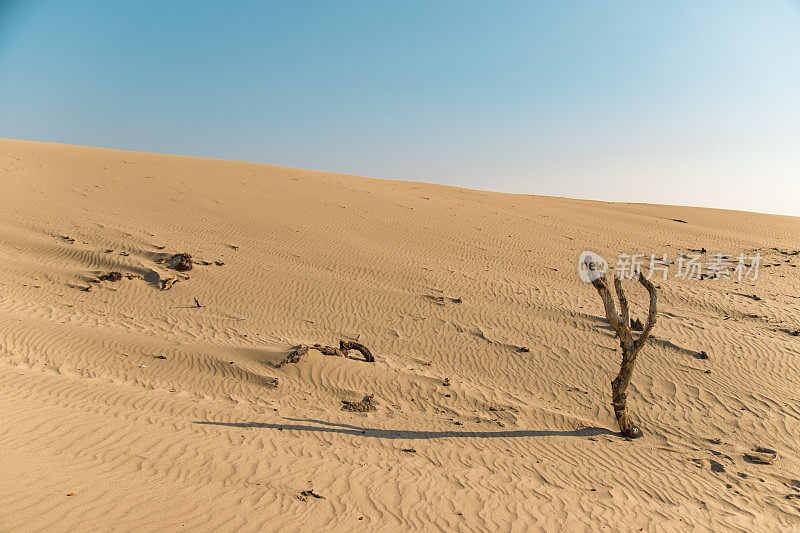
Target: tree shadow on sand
<point>330,427</point>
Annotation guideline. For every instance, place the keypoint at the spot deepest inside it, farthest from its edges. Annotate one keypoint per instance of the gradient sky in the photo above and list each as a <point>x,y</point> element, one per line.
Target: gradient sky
<point>685,102</point>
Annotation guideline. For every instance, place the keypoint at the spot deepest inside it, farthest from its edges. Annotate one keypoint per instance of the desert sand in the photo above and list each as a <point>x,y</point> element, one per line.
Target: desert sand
<point>130,408</point>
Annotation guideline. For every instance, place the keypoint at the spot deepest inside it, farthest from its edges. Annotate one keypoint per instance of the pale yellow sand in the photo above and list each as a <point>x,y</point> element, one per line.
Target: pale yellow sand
<point>204,440</point>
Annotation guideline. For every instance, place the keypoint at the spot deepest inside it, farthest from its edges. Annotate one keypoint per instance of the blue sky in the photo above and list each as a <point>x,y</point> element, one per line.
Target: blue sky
<point>685,102</point>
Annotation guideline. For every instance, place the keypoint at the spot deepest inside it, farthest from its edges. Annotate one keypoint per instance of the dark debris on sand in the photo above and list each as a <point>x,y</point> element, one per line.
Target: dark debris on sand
<point>306,494</point>
<point>180,262</point>
<point>111,276</point>
<point>363,406</point>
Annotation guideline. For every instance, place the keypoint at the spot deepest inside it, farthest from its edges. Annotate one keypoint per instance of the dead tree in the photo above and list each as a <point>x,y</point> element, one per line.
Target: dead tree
<point>630,346</point>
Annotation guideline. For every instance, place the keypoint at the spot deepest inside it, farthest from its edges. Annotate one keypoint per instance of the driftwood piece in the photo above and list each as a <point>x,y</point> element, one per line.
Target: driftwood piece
<point>342,351</point>
<point>630,346</point>
<point>346,346</point>
<point>328,350</point>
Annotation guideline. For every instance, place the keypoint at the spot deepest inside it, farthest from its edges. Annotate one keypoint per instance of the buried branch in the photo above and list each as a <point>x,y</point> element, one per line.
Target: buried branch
<point>621,323</point>
<point>342,351</point>
<point>294,356</point>
<point>346,346</point>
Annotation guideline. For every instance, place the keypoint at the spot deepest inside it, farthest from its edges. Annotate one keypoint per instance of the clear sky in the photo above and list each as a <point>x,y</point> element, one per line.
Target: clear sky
<point>692,102</point>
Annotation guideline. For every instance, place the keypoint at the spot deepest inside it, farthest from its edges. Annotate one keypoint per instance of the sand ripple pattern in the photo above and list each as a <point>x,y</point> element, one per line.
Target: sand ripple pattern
<point>158,415</point>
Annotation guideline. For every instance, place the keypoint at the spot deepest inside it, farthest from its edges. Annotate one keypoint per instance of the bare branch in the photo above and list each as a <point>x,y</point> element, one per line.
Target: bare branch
<point>608,302</point>
<point>623,301</point>
<point>651,315</point>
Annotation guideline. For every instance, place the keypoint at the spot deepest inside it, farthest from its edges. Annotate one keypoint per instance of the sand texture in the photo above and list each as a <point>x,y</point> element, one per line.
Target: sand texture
<point>131,408</point>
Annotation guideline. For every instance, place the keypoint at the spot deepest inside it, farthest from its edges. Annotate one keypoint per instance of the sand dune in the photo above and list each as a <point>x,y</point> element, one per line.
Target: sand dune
<point>129,408</point>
